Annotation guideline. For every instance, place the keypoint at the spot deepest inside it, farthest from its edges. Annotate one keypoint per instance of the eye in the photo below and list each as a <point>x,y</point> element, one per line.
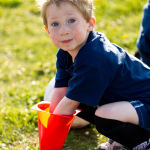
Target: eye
<point>71,20</point>
<point>55,24</point>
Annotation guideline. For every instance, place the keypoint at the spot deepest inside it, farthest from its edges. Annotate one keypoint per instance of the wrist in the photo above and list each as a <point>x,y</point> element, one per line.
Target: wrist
<point>66,107</point>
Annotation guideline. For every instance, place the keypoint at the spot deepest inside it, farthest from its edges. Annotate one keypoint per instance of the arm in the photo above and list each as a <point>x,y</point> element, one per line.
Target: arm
<point>56,96</point>
<point>64,60</point>
<point>66,107</point>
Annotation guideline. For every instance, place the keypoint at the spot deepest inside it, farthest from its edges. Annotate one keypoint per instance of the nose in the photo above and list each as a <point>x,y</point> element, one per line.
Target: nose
<point>64,30</point>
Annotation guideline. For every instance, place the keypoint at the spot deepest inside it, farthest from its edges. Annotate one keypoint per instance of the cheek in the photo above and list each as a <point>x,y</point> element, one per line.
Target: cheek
<point>80,36</point>
<point>53,37</point>
<point>80,32</point>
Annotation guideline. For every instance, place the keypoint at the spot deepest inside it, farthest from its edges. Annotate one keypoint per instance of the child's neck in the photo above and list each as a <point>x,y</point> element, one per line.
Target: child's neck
<point>74,53</point>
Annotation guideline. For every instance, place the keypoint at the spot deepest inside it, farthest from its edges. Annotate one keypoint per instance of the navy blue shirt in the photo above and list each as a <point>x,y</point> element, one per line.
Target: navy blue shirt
<point>102,73</point>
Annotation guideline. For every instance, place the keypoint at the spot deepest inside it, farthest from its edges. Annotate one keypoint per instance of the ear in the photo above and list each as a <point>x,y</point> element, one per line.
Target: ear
<point>92,23</point>
<point>46,29</point>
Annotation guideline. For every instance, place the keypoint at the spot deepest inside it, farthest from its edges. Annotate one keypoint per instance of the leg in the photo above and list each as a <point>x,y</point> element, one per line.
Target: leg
<point>85,117</point>
<point>49,89</point>
<point>113,123</point>
<point>116,130</point>
<point>78,122</point>
<point>143,42</point>
<point>122,111</point>
<point>127,134</point>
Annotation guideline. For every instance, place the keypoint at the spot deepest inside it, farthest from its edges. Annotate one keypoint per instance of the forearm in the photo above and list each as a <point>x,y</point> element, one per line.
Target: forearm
<point>66,107</point>
<point>56,96</point>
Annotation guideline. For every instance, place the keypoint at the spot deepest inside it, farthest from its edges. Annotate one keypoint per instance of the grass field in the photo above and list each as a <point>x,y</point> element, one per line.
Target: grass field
<point>27,63</point>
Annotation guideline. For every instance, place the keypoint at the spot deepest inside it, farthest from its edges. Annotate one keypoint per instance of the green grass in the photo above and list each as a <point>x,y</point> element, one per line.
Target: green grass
<point>10,3</point>
<point>27,60</point>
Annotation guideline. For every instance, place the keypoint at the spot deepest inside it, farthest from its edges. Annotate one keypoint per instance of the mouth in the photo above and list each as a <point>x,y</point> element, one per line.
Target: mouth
<point>66,41</point>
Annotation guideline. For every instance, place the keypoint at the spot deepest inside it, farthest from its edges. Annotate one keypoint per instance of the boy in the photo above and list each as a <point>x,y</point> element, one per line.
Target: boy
<point>97,74</point>
<point>143,44</point>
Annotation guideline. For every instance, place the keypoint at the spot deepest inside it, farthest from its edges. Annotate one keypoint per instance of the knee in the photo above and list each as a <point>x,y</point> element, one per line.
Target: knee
<point>49,89</point>
<point>79,123</point>
<point>103,112</point>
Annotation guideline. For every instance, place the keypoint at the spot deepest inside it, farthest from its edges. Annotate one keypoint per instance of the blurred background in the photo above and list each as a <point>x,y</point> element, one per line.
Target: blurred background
<point>27,63</point>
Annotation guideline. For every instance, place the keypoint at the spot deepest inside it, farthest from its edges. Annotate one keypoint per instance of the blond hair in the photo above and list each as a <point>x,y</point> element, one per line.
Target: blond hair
<point>84,6</point>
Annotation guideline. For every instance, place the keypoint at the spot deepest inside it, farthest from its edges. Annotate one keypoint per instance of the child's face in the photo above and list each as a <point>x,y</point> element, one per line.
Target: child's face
<point>67,27</point>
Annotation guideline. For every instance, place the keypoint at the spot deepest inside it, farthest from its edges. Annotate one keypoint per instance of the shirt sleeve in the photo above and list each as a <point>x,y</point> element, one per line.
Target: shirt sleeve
<point>63,62</point>
<point>91,77</point>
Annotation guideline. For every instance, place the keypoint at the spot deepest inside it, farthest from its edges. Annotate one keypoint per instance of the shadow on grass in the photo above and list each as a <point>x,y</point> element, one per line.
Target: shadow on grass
<point>81,139</point>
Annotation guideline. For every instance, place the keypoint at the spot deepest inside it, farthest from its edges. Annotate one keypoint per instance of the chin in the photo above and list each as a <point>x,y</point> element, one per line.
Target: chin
<point>68,49</point>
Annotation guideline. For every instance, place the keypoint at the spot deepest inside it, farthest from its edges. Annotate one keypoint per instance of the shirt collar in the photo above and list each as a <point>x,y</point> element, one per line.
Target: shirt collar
<point>92,35</point>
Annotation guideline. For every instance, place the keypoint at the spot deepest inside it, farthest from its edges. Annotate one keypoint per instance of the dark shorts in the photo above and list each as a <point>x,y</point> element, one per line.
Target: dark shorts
<point>143,113</point>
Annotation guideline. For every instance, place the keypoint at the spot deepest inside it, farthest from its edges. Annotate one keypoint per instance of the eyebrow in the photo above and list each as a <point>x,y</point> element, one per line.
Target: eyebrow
<point>53,18</point>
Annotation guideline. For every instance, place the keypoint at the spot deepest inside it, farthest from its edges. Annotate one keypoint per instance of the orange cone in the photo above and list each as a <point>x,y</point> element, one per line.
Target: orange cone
<point>53,129</point>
